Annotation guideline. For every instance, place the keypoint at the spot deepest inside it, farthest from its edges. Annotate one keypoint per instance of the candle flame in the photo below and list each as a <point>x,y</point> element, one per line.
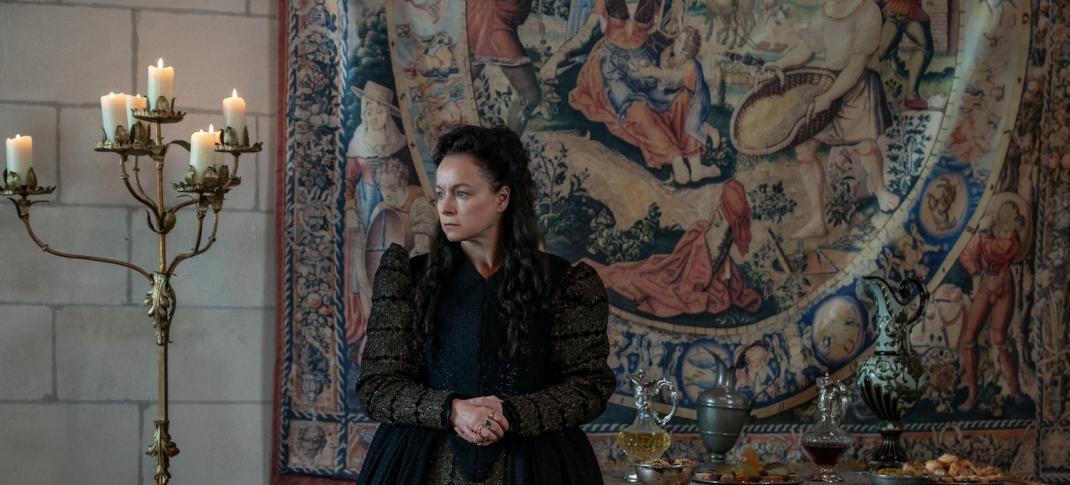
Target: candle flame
<point>235,94</point>
<point>159,63</point>
<point>17,136</point>
<point>111,93</point>
<point>211,128</point>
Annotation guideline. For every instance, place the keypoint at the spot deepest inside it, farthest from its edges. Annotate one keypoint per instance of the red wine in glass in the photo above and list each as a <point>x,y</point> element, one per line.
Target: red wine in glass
<point>825,456</point>
<point>826,440</point>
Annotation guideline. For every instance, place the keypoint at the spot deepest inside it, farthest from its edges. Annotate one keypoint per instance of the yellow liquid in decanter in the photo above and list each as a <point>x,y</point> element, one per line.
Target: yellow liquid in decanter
<point>643,446</point>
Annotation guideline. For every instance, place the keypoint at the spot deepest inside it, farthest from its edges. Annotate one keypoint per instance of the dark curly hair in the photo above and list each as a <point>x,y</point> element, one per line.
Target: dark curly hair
<point>524,290</point>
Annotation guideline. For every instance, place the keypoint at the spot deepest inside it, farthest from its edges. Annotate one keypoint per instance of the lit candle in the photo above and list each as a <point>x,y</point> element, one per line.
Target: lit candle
<point>112,110</point>
<point>161,82</point>
<point>234,115</point>
<point>136,101</point>
<point>20,155</point>
<point>201,152</point>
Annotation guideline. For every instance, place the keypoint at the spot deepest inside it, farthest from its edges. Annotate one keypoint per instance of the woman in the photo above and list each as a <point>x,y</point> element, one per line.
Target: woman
<point>614,88</point>
<point>484,356</point>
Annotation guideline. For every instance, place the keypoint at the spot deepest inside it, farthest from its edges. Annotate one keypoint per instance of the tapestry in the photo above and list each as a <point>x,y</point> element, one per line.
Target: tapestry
<point>732,169</point>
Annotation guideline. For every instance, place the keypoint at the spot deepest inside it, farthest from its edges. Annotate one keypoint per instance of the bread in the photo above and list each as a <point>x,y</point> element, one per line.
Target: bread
<point>947,459</point>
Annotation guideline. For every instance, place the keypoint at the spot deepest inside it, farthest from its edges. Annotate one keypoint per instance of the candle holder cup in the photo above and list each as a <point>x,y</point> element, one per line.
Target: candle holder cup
<point>234,144</point>
<point>13,186</point>
<point>164,112</point>
<point>214,181</point>
<point>135,142</point>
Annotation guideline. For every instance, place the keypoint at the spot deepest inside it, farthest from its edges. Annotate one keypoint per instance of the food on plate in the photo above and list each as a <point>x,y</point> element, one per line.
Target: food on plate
<point>917,468</point>
<point>947,459</point>
<point>901,472</point>
<point>751,470</point>
<point>949,468</point>
<point>727,479</point>
<point>663,462</point>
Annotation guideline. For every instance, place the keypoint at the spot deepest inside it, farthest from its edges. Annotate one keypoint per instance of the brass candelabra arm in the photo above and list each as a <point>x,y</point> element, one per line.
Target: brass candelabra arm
<point>202,211</point>
<point>23,204</point>
<point>138,193</point>
<point>137,177</point>
<point>228,182</point>
<point>184,204</point>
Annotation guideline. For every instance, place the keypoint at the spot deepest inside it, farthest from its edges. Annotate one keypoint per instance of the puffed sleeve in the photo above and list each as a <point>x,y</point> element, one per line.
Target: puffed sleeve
<point>389,388</point>
<point>580,379</point>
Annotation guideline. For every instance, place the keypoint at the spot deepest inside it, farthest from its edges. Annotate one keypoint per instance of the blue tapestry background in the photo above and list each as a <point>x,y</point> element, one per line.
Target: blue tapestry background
<point>949,163</point>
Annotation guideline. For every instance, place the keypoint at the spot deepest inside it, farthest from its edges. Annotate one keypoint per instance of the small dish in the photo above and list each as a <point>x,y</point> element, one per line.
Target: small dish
<point>664,474</point>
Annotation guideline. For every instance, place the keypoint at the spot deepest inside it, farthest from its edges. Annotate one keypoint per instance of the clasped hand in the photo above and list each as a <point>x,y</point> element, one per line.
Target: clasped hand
<point>480,420</point>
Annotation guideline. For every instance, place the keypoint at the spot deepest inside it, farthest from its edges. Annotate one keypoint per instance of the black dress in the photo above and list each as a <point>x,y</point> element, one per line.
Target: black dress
<point>561,383</point>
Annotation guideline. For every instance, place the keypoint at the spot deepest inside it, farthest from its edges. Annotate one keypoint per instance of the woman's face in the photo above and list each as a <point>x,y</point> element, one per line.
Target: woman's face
<point>469,207</point>
<point>374,115</point>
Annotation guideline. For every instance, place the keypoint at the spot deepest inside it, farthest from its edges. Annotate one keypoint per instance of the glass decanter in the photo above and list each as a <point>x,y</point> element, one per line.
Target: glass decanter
<point>645,439</point>
<point>826,440</point>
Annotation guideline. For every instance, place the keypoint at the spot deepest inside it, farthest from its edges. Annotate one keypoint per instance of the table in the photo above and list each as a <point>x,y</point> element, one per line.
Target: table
<point>615,476</point>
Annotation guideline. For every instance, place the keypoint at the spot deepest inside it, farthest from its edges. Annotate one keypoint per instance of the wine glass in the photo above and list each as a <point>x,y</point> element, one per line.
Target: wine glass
<point>826,440</point>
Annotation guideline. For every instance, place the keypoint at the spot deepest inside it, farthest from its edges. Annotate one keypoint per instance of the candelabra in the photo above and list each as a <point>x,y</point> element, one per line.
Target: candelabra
<point>203,189</point>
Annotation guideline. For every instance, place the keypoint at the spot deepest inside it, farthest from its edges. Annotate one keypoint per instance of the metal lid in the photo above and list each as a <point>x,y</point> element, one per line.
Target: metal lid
<point>720,398</point>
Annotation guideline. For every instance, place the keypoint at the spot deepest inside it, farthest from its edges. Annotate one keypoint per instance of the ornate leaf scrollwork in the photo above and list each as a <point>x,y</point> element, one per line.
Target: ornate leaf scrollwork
<point>161,449</point>
<point>160,302</point>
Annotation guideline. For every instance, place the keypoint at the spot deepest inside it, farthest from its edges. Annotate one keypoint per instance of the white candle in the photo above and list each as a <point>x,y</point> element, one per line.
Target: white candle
<point>113,112</point>
<point>136,101</point>
<point>234,115</point>
<point>161,82</point>
<point>201,152</point>
<point>20,155</point>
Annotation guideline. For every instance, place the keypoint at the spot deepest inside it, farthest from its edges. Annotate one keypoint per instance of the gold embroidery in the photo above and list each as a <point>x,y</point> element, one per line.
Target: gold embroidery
<point>579,347</point>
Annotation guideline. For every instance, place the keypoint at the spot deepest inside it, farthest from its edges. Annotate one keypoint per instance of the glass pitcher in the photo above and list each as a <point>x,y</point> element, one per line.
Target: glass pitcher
<point>826,440</point>
<point>645,439</point>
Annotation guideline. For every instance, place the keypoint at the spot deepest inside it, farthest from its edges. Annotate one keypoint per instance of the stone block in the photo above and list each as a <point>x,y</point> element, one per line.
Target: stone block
<point>218,443</point>
<point>88,444</point>
<point>36,277</point>
<point>25,352</point>
<point>108,353</point>
<point>264,7</point>
<point>224,6</point>
<point>105,354</point>
<point>60,53</point>
<point>237,271</point>
<point>267,163</point>
<point>211,55</point>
